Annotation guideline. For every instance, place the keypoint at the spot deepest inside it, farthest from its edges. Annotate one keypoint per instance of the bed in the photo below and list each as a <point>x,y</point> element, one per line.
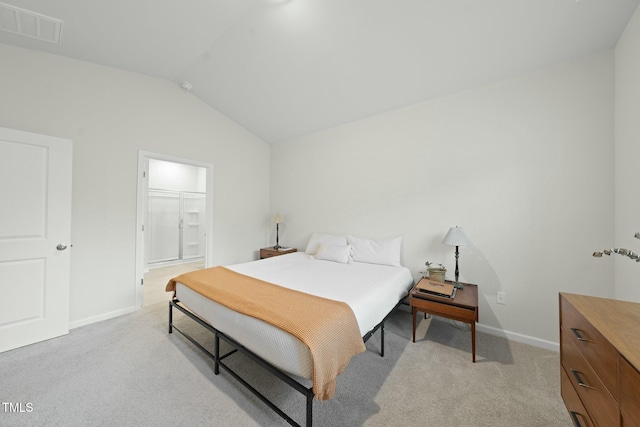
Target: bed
<point>363,274</point>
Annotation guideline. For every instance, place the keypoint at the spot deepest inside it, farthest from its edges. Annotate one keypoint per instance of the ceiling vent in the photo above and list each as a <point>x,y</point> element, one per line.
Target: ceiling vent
<point>30,24</point>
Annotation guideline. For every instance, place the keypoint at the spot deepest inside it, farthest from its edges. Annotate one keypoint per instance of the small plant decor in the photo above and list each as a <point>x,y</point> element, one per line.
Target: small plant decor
<point>435,271</point>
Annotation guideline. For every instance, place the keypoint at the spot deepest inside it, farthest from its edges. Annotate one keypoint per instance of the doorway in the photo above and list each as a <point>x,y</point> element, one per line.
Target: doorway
<point>174,218</point>
<point>176,213</point>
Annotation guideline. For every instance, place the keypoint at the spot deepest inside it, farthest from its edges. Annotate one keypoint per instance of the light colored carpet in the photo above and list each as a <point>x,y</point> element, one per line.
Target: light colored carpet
<point>129,371</point>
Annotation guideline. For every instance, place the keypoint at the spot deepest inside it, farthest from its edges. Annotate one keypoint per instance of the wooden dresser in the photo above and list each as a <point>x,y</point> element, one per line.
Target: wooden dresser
<point>600,360</point>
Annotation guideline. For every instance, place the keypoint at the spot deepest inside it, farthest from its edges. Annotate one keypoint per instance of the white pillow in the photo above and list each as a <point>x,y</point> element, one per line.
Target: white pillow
<point>336,253</point>
<point>385,252</point>
<point>327,239</point>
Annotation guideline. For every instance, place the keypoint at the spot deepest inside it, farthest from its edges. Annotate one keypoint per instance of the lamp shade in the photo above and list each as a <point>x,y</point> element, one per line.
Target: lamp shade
<point>456,236</point>
<point>278,219</point>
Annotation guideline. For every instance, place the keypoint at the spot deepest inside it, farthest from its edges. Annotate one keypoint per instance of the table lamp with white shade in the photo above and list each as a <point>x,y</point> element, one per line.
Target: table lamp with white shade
<point>456,236</point>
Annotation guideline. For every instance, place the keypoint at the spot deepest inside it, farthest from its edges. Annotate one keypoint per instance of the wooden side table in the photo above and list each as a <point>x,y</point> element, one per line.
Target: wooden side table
<point>270,252</point>
<point>464,308</point>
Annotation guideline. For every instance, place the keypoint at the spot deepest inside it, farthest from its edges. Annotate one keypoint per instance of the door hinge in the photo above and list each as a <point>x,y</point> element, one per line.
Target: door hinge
<point>144,174</point>
<point>141,282</point>
<point>142,227</point>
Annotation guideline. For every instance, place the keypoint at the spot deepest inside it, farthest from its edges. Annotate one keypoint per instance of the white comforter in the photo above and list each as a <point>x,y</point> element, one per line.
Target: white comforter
<point>371,290</point>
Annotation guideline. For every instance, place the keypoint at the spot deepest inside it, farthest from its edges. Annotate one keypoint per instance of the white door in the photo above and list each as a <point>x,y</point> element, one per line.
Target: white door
<point>35,231</point>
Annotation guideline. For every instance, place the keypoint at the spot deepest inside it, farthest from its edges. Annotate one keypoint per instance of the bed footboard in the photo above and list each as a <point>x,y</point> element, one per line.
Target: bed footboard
<point>218,360</point>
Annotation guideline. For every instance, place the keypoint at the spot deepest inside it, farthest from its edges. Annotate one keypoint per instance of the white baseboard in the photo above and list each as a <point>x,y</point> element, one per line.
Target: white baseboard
<point>100,317</point>
<point>514,336</point>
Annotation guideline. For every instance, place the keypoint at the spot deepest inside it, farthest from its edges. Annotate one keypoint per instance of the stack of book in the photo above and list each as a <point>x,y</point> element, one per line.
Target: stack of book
<point>439,289</point>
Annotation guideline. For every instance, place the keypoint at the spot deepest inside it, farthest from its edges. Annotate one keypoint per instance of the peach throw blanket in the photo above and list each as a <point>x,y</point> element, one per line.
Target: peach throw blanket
<point>329,328</point>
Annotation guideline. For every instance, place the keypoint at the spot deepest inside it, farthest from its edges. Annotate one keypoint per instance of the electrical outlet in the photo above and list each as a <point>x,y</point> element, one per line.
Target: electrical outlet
<point>501,297</point>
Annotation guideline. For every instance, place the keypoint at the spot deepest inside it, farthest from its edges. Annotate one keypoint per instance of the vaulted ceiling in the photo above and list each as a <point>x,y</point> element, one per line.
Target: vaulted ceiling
<point>285,68</point>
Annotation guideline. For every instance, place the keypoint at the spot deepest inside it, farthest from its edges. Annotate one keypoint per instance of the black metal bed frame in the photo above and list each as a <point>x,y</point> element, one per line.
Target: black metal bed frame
<point>218,360</point>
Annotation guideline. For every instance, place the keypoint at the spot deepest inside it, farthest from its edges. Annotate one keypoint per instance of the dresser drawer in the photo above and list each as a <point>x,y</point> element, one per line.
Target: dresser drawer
<point>578,414</point>
<point>602,408</point>
<point>629,394</point>
<point>600,354</point>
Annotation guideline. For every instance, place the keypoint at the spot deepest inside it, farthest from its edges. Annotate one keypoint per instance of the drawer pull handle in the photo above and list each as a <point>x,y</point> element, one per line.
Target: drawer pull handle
<point>580,335</point>
<point>574,418</point>
<point>578,377</point>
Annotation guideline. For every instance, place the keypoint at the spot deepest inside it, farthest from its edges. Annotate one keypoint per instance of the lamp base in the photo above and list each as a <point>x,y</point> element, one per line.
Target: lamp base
<point>458,285</point>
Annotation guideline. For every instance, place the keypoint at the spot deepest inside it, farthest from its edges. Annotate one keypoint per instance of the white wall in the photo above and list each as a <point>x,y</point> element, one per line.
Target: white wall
<point>627,159</point>
<point>111,115</point>
<point>525,165</point>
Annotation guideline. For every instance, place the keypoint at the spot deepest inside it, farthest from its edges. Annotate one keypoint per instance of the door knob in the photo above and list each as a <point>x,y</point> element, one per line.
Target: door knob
<point>61,247</point>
